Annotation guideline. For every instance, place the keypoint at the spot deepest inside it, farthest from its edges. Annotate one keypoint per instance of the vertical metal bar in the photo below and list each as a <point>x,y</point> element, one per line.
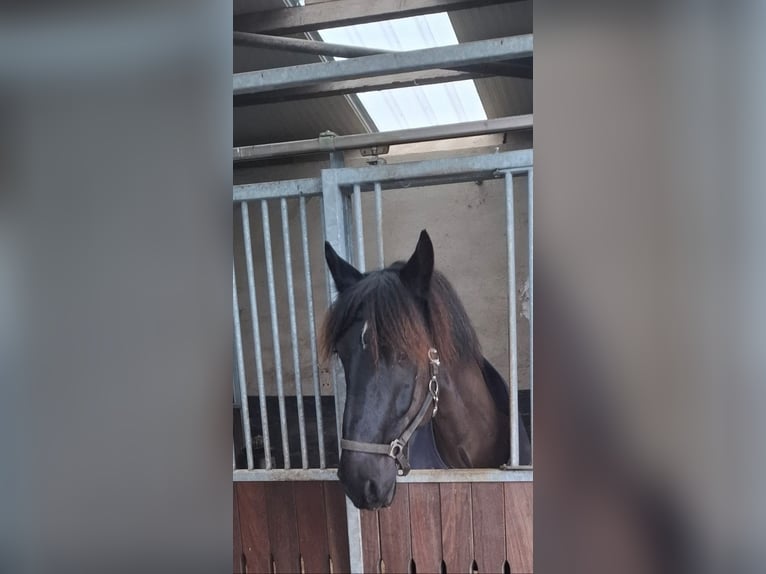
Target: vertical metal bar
<point>514,391</point>
<point>334,223</point>
<point>244,410</point>
<point>379,222</point>
<point>256,327</point>
<point>275,330</point>
<point>294,331</point>
<point>355,551</point>
<point>233,457</point>
<point>531,267</point>
<point>359,228</point>
<point>312,332</point>
<point>235,380</point>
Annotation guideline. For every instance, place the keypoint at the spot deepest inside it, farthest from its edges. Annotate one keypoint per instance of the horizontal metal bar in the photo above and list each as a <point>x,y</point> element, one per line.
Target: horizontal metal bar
<point>277,189</point>
<point>435,169</point>
<point>522,474</point>
<point>345,13</point>
<point>452,56</point>
<point>520,69</point>
<point>326,89</point>
<point>303,46</point>
<point>356,141</point>
<point>278,475</point>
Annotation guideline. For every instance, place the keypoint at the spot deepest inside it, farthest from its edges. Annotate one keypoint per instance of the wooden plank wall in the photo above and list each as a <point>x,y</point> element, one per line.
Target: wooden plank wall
<point>440,528</point>
<point>452,527</point>
<point>290,527</point>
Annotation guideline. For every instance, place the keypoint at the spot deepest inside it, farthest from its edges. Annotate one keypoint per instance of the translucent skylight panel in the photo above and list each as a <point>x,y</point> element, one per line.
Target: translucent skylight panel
<point>416,106</point>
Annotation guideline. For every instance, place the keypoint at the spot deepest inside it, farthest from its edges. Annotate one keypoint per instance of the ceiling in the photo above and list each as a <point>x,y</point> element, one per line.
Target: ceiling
<point>304,119</point>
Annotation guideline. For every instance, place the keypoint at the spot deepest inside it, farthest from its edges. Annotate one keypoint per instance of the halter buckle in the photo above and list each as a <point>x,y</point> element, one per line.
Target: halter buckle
<point>433,389</point>
<point>396,448</point>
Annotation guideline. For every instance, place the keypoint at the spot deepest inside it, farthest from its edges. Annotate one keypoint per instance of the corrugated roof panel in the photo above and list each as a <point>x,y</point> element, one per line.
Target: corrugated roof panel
<point>416,106</point>
<point>500,96</point>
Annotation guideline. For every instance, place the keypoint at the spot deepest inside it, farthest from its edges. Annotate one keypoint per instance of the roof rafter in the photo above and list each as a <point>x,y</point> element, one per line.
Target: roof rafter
<point>346,13</point>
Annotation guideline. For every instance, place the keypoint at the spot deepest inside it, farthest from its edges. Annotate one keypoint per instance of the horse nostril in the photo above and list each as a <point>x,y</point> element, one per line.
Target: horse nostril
<point>370,491</point>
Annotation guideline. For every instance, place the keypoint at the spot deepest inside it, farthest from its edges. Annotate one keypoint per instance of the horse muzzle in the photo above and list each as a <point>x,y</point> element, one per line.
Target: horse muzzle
<point>369,481</point>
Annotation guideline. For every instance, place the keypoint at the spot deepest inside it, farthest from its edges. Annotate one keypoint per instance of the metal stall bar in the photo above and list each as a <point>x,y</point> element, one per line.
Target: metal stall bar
<point>312,332</point>
<point>244,411</point>
<point>334,219</point>
<point>275,330</point>
<point>357,141</point>
<point>270,189</point>
<point>355,543</point>
<point>441,169</point>
<point>530,247</point>
<point>359,228</point>
<point>256,334</point>
<point>334,223</point>
<point>513,346</point>
<point>379,223</point>
<point>293,331</point>
<point>235,380</point>
<point>511,47</point>
<point>425,475</point>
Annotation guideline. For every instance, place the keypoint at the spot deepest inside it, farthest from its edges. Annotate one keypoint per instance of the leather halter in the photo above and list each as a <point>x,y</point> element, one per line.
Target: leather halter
<point>397,447</point>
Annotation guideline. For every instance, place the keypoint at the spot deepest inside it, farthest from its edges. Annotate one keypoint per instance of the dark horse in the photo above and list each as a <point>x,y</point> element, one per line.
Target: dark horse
<point>418,389</point>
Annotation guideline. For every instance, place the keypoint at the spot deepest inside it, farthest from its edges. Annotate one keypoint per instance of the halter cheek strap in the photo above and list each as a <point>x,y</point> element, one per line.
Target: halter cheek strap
<point>397,447</point>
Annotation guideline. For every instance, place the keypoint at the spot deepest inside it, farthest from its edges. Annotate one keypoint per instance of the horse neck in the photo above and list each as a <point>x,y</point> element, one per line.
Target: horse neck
<point>469,429</point>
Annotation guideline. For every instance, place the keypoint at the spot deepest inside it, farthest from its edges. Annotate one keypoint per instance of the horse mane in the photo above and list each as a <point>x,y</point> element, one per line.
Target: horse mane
<point>400,323</point>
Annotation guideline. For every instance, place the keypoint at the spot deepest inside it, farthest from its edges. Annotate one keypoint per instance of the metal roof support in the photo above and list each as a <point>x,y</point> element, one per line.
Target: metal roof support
<point>493,50</point>
<point>303,46</point>
<point>358,141</point>
<point>345,13</point>
<point>326,89</point>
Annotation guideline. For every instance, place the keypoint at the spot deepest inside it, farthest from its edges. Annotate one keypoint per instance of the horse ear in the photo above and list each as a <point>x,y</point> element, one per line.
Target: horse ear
<point>343,273</point>
<point>416,273</point>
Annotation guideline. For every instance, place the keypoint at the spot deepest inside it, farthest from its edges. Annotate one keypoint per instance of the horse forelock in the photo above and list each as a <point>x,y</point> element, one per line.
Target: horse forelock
<point>399,323</point>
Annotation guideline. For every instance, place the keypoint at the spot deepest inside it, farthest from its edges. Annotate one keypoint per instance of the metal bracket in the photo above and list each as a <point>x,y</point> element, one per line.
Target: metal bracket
<point>374,150</point>
<point>327,140</point>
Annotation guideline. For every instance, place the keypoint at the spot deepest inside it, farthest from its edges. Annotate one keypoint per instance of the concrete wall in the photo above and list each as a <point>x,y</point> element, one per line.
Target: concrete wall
<point>467,224</point>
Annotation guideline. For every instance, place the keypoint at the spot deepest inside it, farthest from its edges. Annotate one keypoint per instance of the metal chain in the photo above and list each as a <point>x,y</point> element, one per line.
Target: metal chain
<point>433,384</point>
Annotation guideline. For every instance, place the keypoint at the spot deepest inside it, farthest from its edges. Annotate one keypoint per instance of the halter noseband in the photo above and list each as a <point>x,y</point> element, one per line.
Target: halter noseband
<point>396,448</point>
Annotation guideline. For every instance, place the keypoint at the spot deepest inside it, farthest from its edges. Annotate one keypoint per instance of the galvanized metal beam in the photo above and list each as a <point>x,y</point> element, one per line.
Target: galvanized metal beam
<point>345,13</point>
<point>271,189</point>
<point>474,166</point>
<point>520,474</point>
<point>327,89</point>
<point>358,141</point>
<point>303,46</point>
<point>493,50</point>
<point>520,69</point>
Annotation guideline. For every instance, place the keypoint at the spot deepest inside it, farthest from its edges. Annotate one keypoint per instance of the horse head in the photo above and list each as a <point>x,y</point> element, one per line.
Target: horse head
<point>378,328</point>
